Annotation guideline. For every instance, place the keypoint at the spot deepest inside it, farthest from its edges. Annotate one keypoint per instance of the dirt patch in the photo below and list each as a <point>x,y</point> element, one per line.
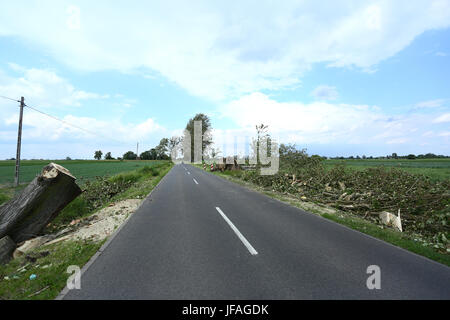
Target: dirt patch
<point>102,224</point>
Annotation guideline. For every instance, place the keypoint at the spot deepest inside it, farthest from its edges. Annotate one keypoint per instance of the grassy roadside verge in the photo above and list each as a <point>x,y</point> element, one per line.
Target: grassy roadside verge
<point>49,263</point>
<point>403,240</point>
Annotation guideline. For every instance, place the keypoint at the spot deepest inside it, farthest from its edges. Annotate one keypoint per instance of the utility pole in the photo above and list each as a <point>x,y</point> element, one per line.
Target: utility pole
<point>19,142</point>
<point>137,151</point>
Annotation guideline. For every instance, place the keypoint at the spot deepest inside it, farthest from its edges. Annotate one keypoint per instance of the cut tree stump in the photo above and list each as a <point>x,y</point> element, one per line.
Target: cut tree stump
<point>40,202</point>
<point>7,247</point>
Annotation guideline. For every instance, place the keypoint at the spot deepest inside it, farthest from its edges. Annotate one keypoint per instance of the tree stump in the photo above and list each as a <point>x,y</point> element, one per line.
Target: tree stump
<point>7,247</point>
<point>40,202</point>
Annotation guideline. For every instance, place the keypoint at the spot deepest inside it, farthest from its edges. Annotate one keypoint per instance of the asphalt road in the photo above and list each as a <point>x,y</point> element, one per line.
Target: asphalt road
<point>198,236</point>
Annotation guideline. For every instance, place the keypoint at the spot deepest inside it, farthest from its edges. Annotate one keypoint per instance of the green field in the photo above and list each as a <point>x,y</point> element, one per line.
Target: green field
<point>81,169</point>
<point>436,169</point>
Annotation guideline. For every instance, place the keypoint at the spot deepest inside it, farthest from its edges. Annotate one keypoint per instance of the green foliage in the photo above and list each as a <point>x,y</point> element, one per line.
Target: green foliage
<point>98,192</point>
<point>98,154</point>
<point>206,127</point>
<point>130,155</point>
<point>3,197</point>
<point>108,156</point>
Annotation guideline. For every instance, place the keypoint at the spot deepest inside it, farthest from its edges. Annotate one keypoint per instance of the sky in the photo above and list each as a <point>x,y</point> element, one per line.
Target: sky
<point>339,78</point>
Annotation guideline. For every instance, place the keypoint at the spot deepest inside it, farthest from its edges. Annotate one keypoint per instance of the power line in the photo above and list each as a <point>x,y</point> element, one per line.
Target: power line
<point>9,98</point>
<point>70,124</point>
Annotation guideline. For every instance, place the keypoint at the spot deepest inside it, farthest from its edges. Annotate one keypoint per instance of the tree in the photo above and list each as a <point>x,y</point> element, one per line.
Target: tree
<point>161,149</point>
<point>173,143</point>
<point>149,155</point>
<point>394,156</point>
<point>206,136</point>
<point>130,155</point>
<point>98,154</point>
<point>411,156</point>
<point>108,156</point>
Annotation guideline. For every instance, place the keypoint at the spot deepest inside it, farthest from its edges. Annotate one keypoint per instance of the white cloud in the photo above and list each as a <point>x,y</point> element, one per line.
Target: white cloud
<point>397,141</point>
<point>442,118</point>
<point>73,19</point>
<point>222,50</point>
<point>325,92</point>
<point>328,123</point>
<point>43,88</point>
<point>430,104</point>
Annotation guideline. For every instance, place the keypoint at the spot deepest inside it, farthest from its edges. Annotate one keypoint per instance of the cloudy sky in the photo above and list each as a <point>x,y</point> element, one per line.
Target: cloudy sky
<point>337,77</point>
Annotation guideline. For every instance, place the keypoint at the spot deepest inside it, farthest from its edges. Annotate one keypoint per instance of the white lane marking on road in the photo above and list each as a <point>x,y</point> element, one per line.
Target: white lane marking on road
<point>189,172</point>
<point>195,181</point>
<point>238,233</point>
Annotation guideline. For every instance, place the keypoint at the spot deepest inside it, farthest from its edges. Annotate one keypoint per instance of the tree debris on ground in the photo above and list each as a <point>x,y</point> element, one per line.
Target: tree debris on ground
<point>424,203</point>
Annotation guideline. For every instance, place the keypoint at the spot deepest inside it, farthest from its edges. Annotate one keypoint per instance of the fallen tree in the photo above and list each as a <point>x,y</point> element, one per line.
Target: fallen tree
<point>40,202</point>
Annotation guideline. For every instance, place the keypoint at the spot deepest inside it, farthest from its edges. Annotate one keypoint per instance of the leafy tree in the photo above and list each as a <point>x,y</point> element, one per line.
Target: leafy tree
<point>98,154</point>
<point>148,155</point>
<point>130,155</point>
<point>161,149</point>
<point>206,136</point>
<point>108,156</point>
<point>394,156</point>
<point>411,156</point>
<point>68,158</point>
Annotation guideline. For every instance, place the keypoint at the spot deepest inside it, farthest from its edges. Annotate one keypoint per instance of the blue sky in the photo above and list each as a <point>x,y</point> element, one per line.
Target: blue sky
<point>349,78</point>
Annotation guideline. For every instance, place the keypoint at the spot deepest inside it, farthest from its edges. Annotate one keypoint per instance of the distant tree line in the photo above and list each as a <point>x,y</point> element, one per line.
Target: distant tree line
<point>395,156</point>
<point>159,152</point>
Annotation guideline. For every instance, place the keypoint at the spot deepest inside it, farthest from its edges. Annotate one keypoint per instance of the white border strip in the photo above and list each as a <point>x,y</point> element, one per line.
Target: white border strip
<point>195,181</point>
<point>240,236</point>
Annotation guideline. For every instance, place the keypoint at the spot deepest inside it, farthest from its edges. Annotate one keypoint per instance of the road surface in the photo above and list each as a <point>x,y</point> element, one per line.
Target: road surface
<point>198,236</point>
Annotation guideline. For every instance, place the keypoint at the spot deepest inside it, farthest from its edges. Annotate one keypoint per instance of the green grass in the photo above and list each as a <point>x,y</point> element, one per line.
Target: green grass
<point>81,169</point>
<point>401,240</point>
<point>436,169</point>
<point>53,278</point>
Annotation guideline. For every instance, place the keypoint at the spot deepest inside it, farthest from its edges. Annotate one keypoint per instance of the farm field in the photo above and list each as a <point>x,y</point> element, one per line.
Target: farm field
<point>436,169</point>
<point>81,169</point>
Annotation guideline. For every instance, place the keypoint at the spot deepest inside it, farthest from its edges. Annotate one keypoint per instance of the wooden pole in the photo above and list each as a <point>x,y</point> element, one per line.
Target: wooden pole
<point>19,142</point>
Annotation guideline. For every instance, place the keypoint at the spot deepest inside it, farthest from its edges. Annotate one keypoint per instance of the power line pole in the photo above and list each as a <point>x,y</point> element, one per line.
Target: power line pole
<point>137,151</point>
<point>19,142</point>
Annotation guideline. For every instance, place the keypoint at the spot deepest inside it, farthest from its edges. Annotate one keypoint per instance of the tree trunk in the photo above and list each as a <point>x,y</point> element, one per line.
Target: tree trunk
<point>7,247</point>
<point>40,202</point>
